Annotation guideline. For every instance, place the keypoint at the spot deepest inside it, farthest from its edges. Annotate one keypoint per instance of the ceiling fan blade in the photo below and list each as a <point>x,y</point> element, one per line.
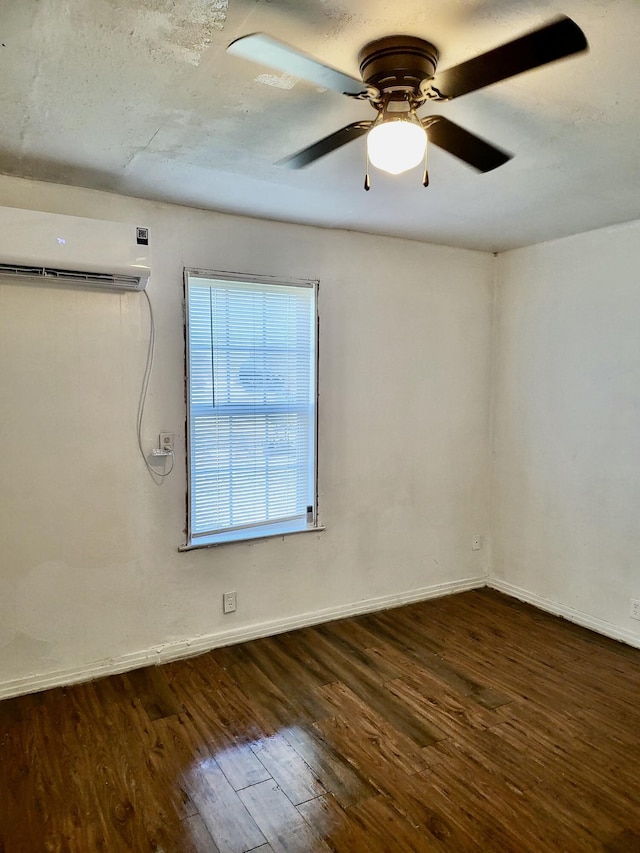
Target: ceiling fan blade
<point>556,40</point>
<point>325,146</point>
<point>476,152</point>
<point>261,48</point>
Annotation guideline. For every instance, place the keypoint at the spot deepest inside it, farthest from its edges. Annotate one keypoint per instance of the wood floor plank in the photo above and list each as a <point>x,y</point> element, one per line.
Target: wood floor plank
<point>288,769</point>
<point>224,712</point>
<point>196,837</point>
<point>338,777</point>
<point>271,706</point>
<point>626,841</point>
<point>375,825</point>
<point>126,758</point>
<point>12,712</point>
<point>281,705</point>
<point>492,804</point>
<point>282,824</point>
<point>366,726</point>
<point>388,627</point>
<point>128,804</point>
<point>300,657</point>
<point>358,679</point>
<point>478,749</point>
<point>340,634</point>
<point>381,768</point>
<point>463,815</point>
<point>222,809</point>
<point>151,687</point>
<point>330,821</point>
<point>380,819</point>
<point>202,734</point>
<point>273,656</point>
<point>241,765</point>
<point>447,716</point>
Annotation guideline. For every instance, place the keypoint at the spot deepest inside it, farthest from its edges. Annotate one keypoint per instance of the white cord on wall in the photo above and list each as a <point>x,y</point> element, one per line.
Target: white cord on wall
<point>143,393</point>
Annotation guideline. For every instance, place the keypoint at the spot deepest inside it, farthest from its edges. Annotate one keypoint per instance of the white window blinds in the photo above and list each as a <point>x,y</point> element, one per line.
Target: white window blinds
<point>251,350</point>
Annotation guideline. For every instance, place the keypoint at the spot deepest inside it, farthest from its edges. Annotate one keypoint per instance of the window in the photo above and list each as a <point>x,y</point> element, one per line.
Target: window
<point>251,399</point>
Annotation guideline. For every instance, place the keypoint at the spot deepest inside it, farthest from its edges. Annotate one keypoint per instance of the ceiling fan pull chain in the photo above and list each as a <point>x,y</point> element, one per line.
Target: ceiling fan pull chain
<point>367,181</point>
<point>425,176</point>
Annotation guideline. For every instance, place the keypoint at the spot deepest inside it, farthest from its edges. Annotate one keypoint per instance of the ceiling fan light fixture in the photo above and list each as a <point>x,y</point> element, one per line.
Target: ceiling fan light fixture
<point>396,145</point>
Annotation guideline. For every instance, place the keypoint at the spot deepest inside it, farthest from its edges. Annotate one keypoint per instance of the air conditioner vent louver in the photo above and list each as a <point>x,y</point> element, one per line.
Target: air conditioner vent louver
<point>120,282</point>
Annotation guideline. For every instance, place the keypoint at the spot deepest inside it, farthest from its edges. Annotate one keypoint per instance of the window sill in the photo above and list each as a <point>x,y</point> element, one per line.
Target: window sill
<point>198,547</point>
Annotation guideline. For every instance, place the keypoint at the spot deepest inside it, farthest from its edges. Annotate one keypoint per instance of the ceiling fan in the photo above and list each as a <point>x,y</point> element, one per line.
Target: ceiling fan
<point>398,78</point>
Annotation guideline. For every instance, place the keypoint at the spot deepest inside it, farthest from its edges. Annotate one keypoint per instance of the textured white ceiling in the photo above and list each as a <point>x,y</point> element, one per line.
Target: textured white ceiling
<point>139,97</point>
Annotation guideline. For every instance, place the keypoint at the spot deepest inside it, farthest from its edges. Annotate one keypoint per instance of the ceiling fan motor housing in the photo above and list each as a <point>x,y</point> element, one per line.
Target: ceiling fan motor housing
<point>396,65</point>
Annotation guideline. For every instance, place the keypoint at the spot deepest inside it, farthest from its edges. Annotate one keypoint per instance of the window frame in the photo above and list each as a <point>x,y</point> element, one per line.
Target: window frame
<point>190,273</point>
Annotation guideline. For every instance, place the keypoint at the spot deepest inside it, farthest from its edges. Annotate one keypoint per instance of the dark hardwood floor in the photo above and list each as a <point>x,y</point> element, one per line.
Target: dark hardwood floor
<point>468,723</point>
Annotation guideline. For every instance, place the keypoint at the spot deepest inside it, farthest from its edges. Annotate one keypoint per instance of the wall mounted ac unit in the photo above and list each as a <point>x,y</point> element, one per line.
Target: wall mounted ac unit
<point>71,250</point>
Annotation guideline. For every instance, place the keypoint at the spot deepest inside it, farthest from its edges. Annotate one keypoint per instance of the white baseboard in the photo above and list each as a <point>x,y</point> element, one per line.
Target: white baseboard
<point>197,645</point>
<point>600,626</point>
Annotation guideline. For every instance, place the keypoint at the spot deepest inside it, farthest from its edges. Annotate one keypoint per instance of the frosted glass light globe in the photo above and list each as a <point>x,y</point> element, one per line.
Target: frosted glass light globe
<point>396,146</point>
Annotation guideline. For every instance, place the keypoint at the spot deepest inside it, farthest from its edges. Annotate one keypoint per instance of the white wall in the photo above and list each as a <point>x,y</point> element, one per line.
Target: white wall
<point>91,575</point>
<point>566,491</point>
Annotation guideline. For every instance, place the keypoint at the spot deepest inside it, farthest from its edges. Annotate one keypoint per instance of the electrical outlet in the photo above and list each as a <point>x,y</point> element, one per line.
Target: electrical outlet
<point>476,543</point>
<point>635,608</point>
<point>166,441</point>
<point>229,602</point>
